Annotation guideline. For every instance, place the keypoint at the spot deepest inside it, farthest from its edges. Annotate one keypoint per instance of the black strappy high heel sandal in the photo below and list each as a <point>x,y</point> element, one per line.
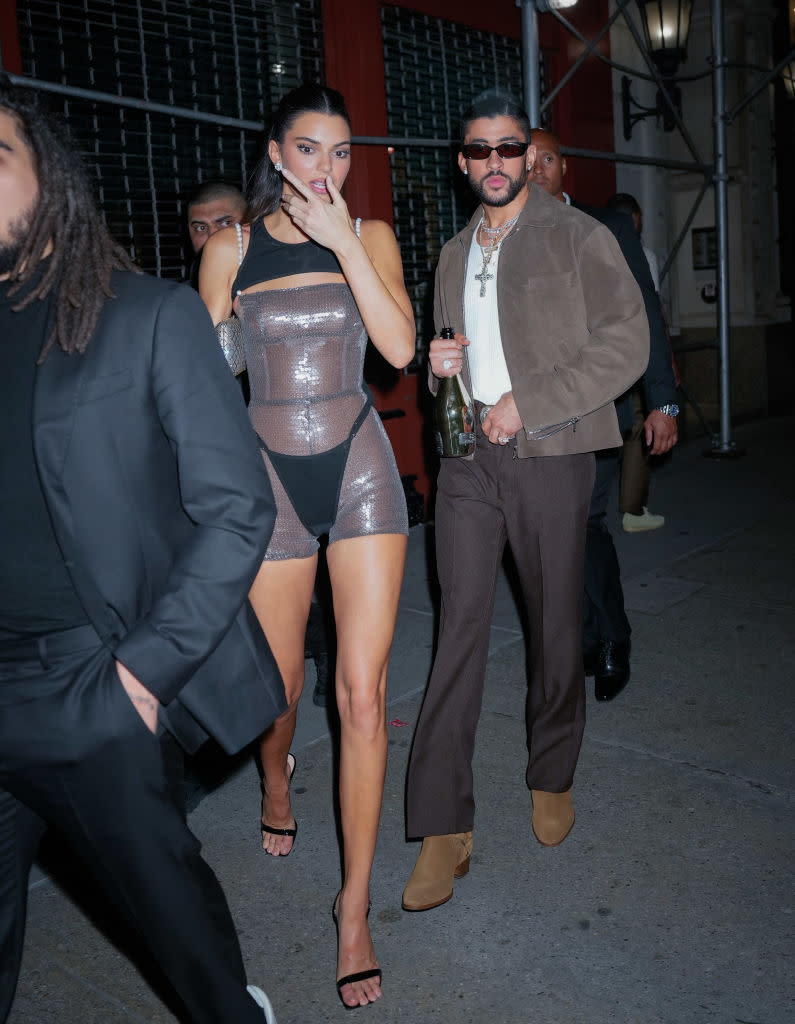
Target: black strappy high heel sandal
<point>349,979</point>
<point>270,829</point>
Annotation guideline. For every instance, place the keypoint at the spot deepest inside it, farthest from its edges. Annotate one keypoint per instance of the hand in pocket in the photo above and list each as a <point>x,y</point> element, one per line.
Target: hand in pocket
<point>144,702</point>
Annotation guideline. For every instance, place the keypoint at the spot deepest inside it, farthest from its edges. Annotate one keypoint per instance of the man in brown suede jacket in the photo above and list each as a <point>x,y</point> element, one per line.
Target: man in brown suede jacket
<point>549,329</point>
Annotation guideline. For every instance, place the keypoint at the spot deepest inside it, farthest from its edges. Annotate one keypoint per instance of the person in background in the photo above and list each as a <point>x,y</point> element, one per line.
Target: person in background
<point>134,514</point>
<point>212,206</point>
<point>606,628</point>
<point>623,202</point>
<point>633,489</point>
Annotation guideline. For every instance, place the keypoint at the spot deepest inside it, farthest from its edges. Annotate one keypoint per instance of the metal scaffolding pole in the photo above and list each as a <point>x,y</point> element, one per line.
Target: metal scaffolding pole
<point>530,64</point>
<point>760,86</point>
<point>589,50</point>
<point>716,172</point>
<point>724,445</point>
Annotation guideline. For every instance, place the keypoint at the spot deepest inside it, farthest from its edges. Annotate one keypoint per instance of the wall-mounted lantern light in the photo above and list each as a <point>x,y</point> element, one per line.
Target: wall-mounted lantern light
<point>545,6</point>
<point>666,26</point>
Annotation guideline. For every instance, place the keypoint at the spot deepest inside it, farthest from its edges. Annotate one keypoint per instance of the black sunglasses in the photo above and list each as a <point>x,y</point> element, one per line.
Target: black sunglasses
<point>506,150</point>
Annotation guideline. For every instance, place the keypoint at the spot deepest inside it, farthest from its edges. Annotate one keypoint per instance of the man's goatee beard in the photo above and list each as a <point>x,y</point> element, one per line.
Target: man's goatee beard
<point>515,187</point>
<point>18,231</point>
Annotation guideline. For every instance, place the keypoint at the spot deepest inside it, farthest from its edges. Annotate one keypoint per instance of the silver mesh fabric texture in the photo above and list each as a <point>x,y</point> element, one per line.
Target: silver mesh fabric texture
<point>305,352</point>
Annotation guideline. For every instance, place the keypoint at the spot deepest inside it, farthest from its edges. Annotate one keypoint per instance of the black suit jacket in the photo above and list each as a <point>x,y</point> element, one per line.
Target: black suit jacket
<point>162,507</point>
<point>659,384</point>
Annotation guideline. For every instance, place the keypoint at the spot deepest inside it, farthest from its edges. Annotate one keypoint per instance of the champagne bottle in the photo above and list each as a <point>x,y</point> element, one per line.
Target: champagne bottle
<point>453,414</point>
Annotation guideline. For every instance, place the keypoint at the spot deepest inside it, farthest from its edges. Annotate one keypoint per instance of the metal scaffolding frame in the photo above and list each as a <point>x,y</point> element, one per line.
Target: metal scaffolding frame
<point>162,122</point>
<point>715,173</point>
<point>144,89</point>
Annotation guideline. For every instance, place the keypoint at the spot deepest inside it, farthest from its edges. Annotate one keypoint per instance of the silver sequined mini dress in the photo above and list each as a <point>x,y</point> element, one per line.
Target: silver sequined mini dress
<point>305,351</point>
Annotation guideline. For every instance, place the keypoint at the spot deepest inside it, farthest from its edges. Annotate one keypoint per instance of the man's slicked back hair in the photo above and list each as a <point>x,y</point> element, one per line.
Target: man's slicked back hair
<point>495,103</point>
<point>84,255</point>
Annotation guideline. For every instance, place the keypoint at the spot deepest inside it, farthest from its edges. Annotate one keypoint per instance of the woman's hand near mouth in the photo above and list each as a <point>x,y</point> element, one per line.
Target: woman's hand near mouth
<point>321,215</point>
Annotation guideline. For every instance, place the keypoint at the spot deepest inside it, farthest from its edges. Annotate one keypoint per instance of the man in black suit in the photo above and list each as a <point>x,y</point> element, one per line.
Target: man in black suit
<point>606,629</point>
<point>135,512</point>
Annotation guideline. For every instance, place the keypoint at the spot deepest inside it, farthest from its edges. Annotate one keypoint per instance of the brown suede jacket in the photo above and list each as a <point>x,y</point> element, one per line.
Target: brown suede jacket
<point>572,321</point>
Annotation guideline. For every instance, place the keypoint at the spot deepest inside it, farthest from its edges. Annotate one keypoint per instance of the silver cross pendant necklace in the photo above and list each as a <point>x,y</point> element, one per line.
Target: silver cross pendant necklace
<point>495,237</point>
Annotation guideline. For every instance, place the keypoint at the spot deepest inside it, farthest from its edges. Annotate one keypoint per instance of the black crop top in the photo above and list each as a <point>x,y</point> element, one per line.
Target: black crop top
<point>267,259</point>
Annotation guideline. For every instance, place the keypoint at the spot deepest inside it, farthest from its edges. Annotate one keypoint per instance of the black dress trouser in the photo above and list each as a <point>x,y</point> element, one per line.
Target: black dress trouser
<point>604,617</point>
<point>76,757</point>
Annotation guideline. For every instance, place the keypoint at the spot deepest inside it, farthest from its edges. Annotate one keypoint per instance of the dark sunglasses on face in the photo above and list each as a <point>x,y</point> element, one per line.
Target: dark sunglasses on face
<point>506,150</point>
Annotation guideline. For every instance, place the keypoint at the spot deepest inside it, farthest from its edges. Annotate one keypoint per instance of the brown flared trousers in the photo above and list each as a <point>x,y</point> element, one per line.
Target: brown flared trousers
<point>540,507</point>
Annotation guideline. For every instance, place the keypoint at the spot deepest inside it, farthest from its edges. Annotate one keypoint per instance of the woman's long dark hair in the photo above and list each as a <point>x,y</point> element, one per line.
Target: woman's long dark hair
<point>84,255</point>
<point>265,186</point>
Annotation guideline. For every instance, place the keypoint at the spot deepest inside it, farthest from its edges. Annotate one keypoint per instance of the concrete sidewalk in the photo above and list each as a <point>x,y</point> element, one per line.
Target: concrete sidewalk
<point>672,900</point>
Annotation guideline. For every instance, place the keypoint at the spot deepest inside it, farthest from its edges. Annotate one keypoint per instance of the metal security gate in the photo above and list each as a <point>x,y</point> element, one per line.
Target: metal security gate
<point>163,94</point>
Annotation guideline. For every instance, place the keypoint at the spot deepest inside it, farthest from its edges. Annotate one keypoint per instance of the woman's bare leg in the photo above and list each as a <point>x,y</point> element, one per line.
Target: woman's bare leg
<point>366,574</point>
<point>280,596</point>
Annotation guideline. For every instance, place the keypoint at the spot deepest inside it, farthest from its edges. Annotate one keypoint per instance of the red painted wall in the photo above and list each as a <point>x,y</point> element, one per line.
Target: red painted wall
<point>9,37</point>
<point>583,112</point>
<point>354,65</point>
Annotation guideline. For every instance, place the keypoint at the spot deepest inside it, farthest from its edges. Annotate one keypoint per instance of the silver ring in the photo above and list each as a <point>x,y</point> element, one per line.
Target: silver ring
<point>503,440</point>
<point>447,364</point>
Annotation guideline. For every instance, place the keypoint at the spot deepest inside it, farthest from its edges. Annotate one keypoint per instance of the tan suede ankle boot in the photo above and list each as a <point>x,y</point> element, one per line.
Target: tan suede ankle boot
<point>553,816</point>
<point>441,859</point>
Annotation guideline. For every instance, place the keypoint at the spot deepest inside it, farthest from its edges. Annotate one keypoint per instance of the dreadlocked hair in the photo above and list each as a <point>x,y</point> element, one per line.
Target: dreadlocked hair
<point>66,218</point>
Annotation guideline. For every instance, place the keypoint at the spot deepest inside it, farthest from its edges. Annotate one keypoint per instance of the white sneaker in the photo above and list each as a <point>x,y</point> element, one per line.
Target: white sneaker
<point>262,1000</point>
<point>645,521</point>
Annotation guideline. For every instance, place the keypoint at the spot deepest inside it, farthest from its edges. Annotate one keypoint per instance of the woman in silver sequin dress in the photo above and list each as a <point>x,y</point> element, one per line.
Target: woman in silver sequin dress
<point>305,324</point>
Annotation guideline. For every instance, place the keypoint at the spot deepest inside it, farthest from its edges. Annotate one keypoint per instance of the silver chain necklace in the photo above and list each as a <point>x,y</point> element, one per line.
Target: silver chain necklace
<point>495,236</point>
<point>492,232</point>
